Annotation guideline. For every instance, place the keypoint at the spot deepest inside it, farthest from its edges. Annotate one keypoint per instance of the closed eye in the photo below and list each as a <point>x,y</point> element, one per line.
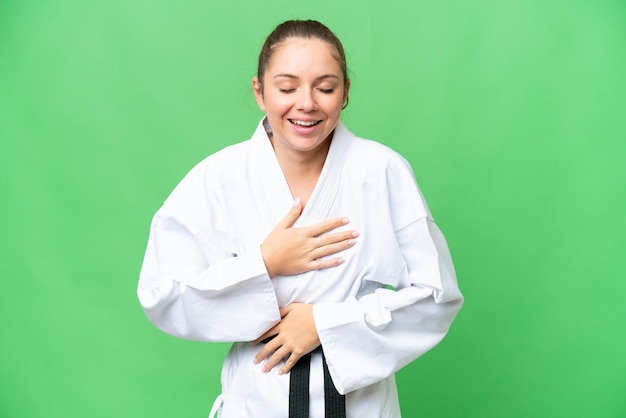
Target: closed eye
<point>327,91</point>
<point>286,90</point>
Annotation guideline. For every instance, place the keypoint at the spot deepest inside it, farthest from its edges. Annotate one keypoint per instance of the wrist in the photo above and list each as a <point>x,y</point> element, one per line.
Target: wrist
<point>266,260</point>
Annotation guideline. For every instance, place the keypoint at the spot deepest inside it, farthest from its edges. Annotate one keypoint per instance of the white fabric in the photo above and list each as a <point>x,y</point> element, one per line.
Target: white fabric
<point>203,276</point>
<point>217,406</point>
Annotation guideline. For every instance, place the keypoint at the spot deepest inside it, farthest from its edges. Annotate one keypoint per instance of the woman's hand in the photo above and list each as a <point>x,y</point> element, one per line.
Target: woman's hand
<point>287,250</point>
<point>294,336</point>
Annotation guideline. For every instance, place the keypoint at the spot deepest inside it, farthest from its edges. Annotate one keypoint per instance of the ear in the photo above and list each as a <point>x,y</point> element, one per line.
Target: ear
<point>345,93</point>
<point>257,87</point>
<point>346,90</point>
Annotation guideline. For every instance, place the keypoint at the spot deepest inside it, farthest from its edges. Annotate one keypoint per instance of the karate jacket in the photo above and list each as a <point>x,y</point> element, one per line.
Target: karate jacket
<point>394,298</point>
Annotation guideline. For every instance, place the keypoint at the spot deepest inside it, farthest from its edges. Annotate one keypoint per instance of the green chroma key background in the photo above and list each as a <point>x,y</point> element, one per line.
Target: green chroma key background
<point>510,112</point>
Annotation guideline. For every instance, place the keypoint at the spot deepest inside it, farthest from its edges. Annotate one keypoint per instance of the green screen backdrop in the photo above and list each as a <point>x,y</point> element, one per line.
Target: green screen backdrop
<point>512,114</point>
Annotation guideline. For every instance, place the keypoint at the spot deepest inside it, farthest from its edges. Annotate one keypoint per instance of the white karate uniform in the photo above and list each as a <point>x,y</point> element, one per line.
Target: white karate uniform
<point>394,298</point>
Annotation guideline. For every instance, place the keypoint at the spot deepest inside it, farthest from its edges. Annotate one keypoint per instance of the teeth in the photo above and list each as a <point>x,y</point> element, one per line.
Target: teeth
<point>304,123</point>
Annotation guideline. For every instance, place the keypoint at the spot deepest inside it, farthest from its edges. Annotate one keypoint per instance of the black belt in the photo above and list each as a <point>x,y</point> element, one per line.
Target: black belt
<point>334,402</point>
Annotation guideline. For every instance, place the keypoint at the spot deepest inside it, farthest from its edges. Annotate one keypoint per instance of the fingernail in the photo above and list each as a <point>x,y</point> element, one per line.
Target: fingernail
<point>296,202</point>
<point>351,242</point>
<point>340,261</point>
<point>256,360</point>
<point>281,372</point>
<point>345,221</point>
<point>355,234</point>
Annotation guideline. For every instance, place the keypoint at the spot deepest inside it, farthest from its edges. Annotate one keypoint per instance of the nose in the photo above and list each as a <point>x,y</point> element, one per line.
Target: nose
<point>306,101</point>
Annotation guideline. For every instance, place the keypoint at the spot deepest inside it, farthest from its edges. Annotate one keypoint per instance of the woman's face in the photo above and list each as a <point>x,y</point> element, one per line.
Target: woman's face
<point>302,95</point>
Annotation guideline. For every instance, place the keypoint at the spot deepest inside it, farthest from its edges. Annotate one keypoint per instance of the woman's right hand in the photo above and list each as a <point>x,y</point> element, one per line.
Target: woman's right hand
<point>288,250</point>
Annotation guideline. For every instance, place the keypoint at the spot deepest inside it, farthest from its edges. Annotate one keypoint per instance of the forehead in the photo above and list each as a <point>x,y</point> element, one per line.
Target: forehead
<point>302,56</point>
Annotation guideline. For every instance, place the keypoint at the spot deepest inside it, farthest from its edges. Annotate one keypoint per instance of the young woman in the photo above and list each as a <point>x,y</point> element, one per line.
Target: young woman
<point>311,249</point>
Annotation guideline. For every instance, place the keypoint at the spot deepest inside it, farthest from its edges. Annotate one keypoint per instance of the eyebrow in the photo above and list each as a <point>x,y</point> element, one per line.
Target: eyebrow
<point>322,77</point>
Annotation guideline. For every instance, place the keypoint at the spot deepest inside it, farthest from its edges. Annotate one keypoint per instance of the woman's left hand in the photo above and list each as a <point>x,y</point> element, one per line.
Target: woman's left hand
<point>294,336</point>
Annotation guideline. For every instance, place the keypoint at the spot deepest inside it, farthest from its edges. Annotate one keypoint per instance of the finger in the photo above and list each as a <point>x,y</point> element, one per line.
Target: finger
<point>327,263</point>
<point>278,356</point>
<point>331,249</point>
<point>337,237</point>
<point>292,215</point>
<point>325,226</point>
<point>268,335</point>
<point>289,363</point>
<point>266,351</point>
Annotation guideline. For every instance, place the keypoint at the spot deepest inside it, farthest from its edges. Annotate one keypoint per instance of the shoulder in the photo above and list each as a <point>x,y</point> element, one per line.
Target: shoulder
<point>202,185</point>
<point>223,163</point>
<point>377,152</point>
<point>377,167</point>
<point>230,163</point>
<point>368,156</point>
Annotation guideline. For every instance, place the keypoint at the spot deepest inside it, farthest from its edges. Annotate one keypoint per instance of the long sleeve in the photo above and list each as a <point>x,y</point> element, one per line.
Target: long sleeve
<point>231,300</point>
<point>193,283</point>
<point>368,339</point>
<point>370,336</point>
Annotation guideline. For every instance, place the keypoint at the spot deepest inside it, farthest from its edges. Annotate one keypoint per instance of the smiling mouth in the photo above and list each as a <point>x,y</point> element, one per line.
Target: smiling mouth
<point>305,123</point>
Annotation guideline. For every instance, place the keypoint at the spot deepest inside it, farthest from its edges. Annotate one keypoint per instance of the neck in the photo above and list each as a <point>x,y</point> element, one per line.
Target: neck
<point>302,170</point>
